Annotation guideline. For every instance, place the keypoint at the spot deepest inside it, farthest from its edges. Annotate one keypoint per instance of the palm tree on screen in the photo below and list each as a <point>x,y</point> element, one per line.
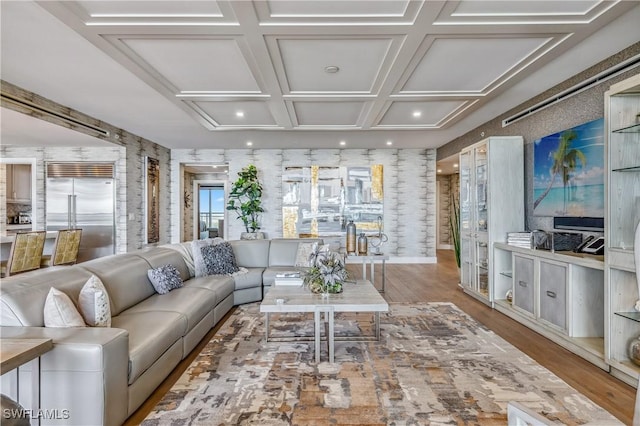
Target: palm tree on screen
<point>565,161</point>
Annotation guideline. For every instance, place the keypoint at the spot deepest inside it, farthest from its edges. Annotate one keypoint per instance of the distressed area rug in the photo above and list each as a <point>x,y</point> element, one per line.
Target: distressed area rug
<point>434,365</point>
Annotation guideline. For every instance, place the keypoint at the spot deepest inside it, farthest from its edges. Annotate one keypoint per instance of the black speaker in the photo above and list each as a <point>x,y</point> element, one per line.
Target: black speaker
<point>593,224</point>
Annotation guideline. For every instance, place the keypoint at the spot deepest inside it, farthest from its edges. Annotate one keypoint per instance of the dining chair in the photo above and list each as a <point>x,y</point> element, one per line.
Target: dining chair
<point>65,248</point>
<point>25,254</point>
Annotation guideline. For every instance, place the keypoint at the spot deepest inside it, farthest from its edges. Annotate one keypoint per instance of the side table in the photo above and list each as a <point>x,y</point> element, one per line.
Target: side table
<point>371,259</point>
<point>16,352</point>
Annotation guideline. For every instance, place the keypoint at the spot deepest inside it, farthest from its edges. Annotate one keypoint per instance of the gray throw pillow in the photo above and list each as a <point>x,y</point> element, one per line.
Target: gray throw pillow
<point>164,278</point>
<point>219,259</point>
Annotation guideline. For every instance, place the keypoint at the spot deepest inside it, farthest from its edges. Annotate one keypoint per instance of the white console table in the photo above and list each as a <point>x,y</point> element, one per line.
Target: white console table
<point>371,259</point>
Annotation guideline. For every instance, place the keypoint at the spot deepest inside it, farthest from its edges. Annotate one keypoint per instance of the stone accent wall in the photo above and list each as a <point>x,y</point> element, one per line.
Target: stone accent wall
<point>409,189</point>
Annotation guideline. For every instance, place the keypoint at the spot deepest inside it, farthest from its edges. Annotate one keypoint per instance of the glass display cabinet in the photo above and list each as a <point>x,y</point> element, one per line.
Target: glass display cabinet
<point>622,139</point>
<point>487,215</point>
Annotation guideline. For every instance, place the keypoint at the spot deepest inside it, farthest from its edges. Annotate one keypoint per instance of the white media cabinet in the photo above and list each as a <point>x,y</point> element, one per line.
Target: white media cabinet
<point>558,294</point>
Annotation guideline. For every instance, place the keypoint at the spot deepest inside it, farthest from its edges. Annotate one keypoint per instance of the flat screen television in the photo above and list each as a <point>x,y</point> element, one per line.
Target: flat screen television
<point>568,172</point>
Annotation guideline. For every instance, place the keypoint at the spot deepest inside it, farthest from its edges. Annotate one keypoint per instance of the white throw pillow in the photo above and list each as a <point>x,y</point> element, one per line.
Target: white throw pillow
<point>94,303</point>
<point>59,311</point>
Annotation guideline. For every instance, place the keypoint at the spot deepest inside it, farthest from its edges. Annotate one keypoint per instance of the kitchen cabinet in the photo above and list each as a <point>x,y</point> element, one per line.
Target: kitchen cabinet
<point>622,143</point>
<point>18,183</point>
<point>491,204</point>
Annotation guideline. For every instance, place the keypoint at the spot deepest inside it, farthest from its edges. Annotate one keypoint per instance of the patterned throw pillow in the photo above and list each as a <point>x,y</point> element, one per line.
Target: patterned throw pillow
<point>94,303</point>
<point>303,255</point>
<point>59,311</point>
<point>165,278</point>
<point>200,270</point>
<point>219,259</point>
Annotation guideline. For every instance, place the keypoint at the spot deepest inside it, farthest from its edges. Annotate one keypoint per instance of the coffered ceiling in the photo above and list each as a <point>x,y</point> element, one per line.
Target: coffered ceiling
<point>306,73</point>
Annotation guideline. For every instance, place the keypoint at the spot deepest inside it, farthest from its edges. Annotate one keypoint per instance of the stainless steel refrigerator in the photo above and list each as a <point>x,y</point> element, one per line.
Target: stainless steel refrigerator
<point>82,195</point>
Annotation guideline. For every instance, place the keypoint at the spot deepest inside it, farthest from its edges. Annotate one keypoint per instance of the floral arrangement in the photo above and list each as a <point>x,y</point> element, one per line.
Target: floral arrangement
<point>327,272</point>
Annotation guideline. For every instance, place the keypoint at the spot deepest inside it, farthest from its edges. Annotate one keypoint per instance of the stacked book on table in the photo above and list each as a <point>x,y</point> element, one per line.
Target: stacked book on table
<point>288,278</point>
<point>519,239</point>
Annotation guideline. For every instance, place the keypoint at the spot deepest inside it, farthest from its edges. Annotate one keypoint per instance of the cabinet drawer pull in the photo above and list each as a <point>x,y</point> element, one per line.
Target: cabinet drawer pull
<point>551,294</point>
<point>522,283</point>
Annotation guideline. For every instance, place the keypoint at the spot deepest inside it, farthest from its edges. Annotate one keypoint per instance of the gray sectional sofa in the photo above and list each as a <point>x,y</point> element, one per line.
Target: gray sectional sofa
<point>102,375</point>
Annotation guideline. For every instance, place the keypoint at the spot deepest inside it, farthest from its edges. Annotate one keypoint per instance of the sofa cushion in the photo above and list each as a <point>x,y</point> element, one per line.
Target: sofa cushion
<point>60,311</point>
<point>251,253</point>
<point>221,285</point>
<point>94,304</point>
<point>192,303</point>
<point>23,295</point>
<point>184,249</point>
<point>170,255</point>
<point>283,251</point>
<point>164,278</point>
<point>252,278</point>
<point>151,333</point>
<point>125,278</point>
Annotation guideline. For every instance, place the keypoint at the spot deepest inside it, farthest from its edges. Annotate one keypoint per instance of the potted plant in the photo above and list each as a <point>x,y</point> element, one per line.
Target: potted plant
<point>244,199</point>
<point>454,228</point>
<point>327,273</point>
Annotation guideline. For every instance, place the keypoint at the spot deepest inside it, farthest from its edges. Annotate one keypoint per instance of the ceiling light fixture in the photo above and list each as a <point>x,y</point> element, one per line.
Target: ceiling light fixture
<point>455,166</point>
<point>239,114</point>
<point>417,113</point>
<point>343,143</point>
<point>439,170</point>
<point>249,143</point>
<point>331,69</point>
<point>389,143</point>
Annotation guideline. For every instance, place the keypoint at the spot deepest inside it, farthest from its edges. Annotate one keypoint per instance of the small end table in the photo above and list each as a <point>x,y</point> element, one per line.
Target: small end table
<point>371,259</point>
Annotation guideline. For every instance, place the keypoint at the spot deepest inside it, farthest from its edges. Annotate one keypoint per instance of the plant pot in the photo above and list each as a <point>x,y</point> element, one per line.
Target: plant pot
<point>252,236</point>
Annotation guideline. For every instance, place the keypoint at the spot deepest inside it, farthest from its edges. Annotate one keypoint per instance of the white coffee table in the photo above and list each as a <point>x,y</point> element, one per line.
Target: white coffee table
<point>360,296</point>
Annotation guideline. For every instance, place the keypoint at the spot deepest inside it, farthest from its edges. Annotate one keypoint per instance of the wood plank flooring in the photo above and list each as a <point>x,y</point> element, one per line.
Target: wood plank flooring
<point>413,283</point>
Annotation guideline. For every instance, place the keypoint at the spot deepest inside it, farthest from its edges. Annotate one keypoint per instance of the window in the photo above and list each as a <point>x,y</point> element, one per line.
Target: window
<point>211,207</point>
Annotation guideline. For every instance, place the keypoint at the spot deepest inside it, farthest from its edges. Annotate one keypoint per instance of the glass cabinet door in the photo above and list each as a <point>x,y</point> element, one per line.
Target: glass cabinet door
<point>466,244</point>
<point>480,164</point>
<point>465,193</point>
<point>482,267</point>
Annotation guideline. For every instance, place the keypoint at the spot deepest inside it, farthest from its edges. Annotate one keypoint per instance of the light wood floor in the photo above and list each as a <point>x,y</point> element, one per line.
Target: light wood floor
<point>438,283</point>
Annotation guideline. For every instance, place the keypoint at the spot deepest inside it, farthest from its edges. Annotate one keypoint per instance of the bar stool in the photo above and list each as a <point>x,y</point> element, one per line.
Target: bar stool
<point>26,253</point>
<point>65,249</point>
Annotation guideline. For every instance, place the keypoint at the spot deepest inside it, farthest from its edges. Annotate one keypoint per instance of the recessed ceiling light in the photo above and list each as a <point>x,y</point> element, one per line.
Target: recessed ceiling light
<point>343,143</point>
<point>439,170</point>
<point>214,166</point>
<point>455,165</point>
<point>331,69</point>
<point>239,114</point>
<point>249,143</point>
<point>417,113</point>
<point>389,143</point>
